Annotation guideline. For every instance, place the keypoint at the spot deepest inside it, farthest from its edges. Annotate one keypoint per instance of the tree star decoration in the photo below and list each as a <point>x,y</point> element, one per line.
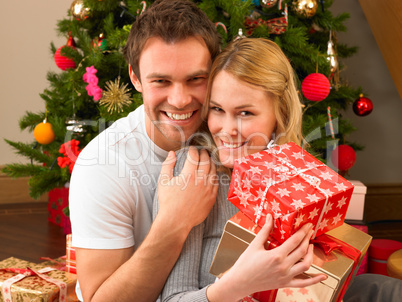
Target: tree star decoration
<point>115,96</point>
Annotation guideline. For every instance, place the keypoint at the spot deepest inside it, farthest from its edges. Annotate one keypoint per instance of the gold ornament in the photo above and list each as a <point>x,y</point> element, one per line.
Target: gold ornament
<point>78,10</point>
<point>268,3</point>
<point>305,8</point>
<point>332,58</point>
<point>333,61</point>
<point>115,96</point>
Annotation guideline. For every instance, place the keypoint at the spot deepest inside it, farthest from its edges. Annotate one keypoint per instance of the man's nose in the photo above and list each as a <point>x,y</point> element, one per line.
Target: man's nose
<point>179,96</point>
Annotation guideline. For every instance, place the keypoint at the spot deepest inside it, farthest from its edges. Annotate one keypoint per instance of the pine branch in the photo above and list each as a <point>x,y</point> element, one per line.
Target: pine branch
<point>22,170</point>
<point>30,120</point>
<point>237,10</point>
<point>45,181</point>
<point>345,51</point>
<point>30,151</point>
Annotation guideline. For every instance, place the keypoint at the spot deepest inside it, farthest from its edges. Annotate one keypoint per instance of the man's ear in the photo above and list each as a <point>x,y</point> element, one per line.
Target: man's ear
<point>134,79</point>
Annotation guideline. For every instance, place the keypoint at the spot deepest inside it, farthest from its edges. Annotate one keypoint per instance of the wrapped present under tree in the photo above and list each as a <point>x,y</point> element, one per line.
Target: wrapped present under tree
<point>21,280</point>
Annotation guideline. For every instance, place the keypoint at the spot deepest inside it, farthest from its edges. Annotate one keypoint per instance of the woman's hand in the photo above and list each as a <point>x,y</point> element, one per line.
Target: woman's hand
<point>258,269</point>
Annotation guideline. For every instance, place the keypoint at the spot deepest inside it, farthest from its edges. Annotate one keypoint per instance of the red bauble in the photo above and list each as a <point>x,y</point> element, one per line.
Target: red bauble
<point>316,87</point>
<point>343,157</point>
<point>63,62</point>
<point>362,106</point>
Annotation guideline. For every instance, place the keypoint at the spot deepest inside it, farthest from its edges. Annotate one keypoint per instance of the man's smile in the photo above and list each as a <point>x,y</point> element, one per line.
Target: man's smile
<point>179,117</point>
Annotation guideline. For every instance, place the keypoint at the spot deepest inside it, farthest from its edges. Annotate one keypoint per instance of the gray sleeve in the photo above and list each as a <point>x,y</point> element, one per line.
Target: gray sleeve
<point>374,288</point>
<point>183,281</point>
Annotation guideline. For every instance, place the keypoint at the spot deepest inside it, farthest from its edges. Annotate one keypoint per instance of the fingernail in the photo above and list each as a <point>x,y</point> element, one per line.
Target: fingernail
<point>170,154</point>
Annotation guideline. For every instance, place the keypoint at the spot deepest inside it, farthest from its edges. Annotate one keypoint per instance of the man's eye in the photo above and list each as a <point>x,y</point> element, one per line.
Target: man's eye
<point>197,78</point>
<point>159,81</point>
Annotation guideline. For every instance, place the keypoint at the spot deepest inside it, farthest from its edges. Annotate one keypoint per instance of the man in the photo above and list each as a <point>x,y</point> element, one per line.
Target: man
<point>121,254</point>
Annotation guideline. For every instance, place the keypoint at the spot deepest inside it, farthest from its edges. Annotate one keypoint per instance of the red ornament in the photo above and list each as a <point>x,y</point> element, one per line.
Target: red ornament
<point>343,157</point>
<point>362,106</point>
<point>64,62</point>
<point>316,87</point>
<point>100,43</point>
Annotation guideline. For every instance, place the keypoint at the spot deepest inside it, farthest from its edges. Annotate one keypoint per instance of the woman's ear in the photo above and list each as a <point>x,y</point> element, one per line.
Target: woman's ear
<point>134,79</point>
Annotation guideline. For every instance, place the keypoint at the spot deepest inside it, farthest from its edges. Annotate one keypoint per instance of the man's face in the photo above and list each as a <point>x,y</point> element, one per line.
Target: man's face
<point>173,82</point>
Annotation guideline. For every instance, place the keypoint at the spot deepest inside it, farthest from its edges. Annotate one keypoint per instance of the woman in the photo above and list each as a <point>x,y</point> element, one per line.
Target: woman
<point>251,99</point>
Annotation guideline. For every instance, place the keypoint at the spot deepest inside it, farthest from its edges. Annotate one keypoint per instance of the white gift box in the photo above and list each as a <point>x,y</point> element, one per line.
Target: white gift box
<point>356,205</point>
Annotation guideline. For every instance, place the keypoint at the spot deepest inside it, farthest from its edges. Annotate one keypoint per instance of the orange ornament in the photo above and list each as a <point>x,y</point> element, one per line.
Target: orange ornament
<point>43,133</point>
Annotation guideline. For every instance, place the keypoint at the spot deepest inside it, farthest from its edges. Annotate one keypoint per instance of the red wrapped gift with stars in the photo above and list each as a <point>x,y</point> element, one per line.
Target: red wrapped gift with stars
<point>291,185</point>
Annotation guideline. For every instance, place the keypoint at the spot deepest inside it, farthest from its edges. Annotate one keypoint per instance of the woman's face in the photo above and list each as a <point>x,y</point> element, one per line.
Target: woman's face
<point>241,118</point>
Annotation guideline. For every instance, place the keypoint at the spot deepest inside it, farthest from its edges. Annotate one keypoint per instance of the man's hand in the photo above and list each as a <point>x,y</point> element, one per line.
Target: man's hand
<point>188,197</point>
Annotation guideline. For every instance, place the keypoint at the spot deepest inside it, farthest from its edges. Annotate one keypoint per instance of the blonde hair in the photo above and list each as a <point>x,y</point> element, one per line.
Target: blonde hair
<point>260,62</point>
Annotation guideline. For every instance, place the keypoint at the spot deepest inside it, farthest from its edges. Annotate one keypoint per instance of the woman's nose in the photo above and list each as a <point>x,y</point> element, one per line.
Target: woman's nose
<point>231,126</point>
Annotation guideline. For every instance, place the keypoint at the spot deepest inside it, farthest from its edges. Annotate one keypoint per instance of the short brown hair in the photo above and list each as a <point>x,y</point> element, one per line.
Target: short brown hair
<point>173,21</point>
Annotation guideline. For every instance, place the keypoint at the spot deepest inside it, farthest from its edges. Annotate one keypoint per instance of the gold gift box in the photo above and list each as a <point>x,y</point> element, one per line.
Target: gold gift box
<point>240,231</point>
<point>34,288</point>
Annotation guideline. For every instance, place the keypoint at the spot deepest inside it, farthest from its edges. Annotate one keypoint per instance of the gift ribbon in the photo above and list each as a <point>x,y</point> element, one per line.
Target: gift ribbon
<point>275,25</point>
<point>312,180</point>
<point>71,259</point>
<point>328,244</point>
<point>266,296</point>
<point>61,266</point>
<point>22,273</point>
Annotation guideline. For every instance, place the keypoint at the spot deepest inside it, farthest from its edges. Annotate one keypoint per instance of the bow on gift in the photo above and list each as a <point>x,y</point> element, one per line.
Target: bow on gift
<point>22,273</point>
<point>328,244</point>
<point>275,26</point>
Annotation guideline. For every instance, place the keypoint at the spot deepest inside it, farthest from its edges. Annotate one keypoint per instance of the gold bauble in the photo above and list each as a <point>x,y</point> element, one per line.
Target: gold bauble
<point>78,10</point>
<point>305,8</point>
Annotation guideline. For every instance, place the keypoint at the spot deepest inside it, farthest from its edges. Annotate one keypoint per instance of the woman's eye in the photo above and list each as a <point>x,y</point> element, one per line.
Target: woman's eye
<point>245,113</point>
<point>214,108</point>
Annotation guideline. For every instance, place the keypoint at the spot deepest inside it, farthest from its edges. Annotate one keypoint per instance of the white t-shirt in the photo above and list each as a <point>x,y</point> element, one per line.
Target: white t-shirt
<point>113,184</point>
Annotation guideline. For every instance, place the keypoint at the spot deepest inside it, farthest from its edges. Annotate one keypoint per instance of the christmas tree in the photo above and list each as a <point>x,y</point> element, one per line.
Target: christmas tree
<point>93,89</point>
